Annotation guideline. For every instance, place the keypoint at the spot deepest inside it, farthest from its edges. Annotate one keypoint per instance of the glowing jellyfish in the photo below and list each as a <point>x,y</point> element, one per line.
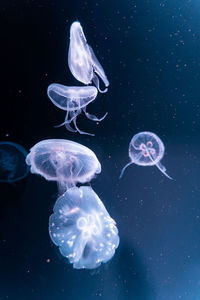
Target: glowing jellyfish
<point>81,59</point>
<point>146,149</point>
<point>82,228</point>
<point>12,162</point>
<point>73,100</point>
<point>63,161</point>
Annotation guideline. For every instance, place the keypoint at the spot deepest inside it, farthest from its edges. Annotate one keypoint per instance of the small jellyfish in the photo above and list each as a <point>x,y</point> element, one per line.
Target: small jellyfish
<point>74,100</point>
<point>146,149</point>
<point>82,228</point>
<point>82,61</point>
<point>12,162</point>
<point>63,161</point>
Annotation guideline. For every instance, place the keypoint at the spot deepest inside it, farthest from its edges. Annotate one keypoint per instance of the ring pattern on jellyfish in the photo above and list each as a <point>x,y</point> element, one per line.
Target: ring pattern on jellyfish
<point>86,68</point>
<point>82,228</point>
<point>146,149</point>
<point>80,224</point>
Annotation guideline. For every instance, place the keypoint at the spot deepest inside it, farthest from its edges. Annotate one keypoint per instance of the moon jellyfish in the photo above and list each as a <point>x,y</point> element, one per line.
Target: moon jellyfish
<point>82,61</point>
<point>73,100</point>
<point>146,149</point>
<point>82,228</point>
<point>12,162</point>
<point>63,161</point>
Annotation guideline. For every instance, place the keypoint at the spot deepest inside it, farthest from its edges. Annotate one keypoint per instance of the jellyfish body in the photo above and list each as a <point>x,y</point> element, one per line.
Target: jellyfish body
<point>82,61</point>
<point>74,100</point>
<point>63,161</point>
<point>146,149</point>
<point>12,162</point>
<point>82,228</point>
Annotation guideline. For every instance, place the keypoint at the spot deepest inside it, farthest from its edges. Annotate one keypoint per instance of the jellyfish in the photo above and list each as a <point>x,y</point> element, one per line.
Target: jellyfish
<point>82,228</point>
<point>82,61</point>
<point>12,162</point>
<point>146,149</point>
<point>73,100</point>
<point>63,161</point>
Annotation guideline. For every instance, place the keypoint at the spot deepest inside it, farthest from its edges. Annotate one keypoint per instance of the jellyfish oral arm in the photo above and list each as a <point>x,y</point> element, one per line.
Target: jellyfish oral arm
<point>66,123</point>
<point>80,131</point>
<point>95,80</point>
<point>99,71</point>
<point>72,116</point>
<point>130,163</point>
<point>93,117</point>
<point>64,185</point>
<point>149,152</point>
<point>163,169</point>
<point>124,168</point>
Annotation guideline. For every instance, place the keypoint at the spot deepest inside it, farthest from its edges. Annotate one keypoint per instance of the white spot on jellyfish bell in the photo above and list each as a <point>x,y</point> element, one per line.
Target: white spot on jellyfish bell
<point>81,59</point>
<point>146,149</point>
<point>63,161</point>
<point>82,228</point>
<point>74,100</point>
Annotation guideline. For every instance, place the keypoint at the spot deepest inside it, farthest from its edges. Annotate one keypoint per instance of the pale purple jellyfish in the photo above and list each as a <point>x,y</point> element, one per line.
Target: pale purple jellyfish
<point>146,149</point>
<point>82,228</point>
<point>74,100</point>
<point>81,59</point>
<point>63,161</point>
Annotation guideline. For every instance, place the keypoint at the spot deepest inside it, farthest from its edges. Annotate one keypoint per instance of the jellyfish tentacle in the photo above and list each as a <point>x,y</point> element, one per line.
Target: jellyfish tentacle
<point>95,80</point>
<point>80,131</point>
<point>159,165</point>
<point>93,117</point>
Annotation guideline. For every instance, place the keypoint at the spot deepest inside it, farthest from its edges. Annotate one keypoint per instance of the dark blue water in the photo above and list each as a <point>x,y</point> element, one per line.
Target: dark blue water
<point>150,53</point>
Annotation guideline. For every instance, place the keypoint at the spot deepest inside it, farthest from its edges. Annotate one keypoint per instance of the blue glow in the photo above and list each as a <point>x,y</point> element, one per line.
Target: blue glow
<point>12,162</point>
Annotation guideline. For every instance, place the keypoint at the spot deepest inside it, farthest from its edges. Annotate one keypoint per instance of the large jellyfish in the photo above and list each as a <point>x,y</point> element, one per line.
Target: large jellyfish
<point>81,59</point>
<point>63,161</point>
<point>74,100</point>
<point>12,162</point>
<point>146,149</point>
<point>82,228</point>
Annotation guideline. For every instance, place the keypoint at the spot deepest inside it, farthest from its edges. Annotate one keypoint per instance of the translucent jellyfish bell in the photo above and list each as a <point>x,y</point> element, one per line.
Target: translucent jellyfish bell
<point>63,161</point>
<point>82,228</point>
<point>146,149</point>
<point>74,100</point>
<point>81,59</point>
<point>12,162</point>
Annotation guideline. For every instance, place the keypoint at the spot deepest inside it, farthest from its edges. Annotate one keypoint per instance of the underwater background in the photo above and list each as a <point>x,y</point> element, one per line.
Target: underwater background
<point>150,53</point>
